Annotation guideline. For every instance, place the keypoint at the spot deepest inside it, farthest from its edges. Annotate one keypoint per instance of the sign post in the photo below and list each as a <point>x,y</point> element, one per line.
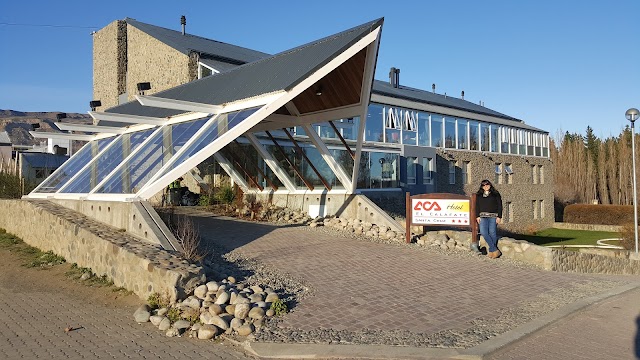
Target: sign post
<point>440,209</point>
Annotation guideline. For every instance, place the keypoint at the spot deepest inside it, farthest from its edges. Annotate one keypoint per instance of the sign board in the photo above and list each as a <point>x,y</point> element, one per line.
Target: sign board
<point>450,210</point>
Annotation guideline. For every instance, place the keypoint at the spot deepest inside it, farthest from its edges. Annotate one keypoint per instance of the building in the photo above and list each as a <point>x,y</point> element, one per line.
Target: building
<point>292,124</point>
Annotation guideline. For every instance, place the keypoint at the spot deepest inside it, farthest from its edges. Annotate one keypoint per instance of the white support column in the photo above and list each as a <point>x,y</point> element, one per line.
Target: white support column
<point>228,168</point>
<point>271,162</point>
<point>372,51</point>
<point>337,169</point>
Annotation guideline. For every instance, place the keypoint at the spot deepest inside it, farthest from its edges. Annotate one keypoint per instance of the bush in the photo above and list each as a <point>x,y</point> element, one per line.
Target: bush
<point>226,195</point>
<point>598,214</point>
<point>628,236</point>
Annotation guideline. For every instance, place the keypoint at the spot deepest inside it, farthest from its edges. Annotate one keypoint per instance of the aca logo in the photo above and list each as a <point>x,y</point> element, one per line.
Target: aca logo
<point>426,205</point>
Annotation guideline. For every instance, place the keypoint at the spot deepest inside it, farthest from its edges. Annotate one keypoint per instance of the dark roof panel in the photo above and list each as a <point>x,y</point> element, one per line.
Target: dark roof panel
<point>44,160</point>
<point>186,43</point>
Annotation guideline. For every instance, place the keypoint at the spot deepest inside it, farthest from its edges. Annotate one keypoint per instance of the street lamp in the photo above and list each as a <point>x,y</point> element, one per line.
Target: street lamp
<point>632,115</point>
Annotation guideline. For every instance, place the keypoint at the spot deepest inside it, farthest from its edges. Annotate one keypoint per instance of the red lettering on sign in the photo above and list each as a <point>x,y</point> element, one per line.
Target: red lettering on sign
<point>427,205</point>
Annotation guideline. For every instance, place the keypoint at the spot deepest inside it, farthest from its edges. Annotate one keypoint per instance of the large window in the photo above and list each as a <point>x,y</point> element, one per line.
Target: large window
<point>449,132</point>
<point>383,170</point>
<point>436,130</point>
<point>485,137</point>
<point>462,134</point>
<point>424,130</point>
<point>493,138</point>
<point>452,172</point>
<point>392,124</point>
<point>374,125</point>
<point>409,127</point>
<point>474,141</point>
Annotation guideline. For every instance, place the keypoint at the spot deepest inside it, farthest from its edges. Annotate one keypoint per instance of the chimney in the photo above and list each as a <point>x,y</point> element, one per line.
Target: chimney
<point>183,22</point>
<point>462,95</point>
<point>433,88</point>
<point>394,77</point>
<point>445,94</point>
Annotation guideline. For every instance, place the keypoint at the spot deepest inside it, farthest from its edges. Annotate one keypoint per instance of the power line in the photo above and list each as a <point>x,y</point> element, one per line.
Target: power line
<point>51,26</point>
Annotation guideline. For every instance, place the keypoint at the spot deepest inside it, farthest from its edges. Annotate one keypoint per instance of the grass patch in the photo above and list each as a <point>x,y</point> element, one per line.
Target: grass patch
<point>554,236</point>
<point>87,277</point>
<point>32,257</point>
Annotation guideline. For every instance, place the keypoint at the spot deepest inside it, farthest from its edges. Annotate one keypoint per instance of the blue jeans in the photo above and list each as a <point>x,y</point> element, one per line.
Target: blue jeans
<point>488,230</point>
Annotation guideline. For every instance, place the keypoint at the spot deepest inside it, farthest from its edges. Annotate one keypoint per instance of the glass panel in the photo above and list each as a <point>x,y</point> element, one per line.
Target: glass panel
<point>504,140</point>
<point>326,131</point>
<point>135,173</point>
<point>109,160</point>
<point>473,136</point>
<point>344,159</point>
<point>462,134</point>
<point>484,137</point>
<point>411,170</point>
<point>373,127</point>
<point>449,132</point>
<point>409,127</point>
<point>423,129</point>
<point>384,170</point>
<point>392,124</point>
<point>213,130</point>
<point>427,168</point>
<point>513,143</point>
<point>494,138</point>
<point>73,165</point>
<point>323,168</point>
<point>436,131</point>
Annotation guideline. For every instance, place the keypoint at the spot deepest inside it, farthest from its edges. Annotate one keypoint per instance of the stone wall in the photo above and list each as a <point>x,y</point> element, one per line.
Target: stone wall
<point>589,227</point>
<point>518,189</point>
<point>149,60</point>
<point>109,63</point>
<point>138,266</point>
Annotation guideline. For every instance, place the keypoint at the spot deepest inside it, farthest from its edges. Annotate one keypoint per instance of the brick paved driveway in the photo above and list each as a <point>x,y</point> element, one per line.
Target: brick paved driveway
<point>34,313</point>
<point>359,284</point>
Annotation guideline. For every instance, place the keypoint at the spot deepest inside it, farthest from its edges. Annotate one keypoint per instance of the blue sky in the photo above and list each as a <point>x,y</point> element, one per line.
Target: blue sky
<point>558,65</point>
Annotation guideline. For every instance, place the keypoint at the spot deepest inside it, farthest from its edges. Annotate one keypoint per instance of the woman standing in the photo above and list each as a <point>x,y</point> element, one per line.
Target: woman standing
<point>489,215</point>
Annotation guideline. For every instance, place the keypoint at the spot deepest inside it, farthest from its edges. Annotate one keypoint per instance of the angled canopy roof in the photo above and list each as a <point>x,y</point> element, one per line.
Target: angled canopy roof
<point>276,73</point>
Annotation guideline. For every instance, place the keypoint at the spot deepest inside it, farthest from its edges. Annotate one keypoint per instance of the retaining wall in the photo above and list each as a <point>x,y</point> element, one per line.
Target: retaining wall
<point>131,263</point>
<point>590,227</point>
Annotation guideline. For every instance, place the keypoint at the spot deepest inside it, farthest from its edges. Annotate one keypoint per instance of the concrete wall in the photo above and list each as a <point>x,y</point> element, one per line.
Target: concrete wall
<point>138,266</point>
<point>341,205</point>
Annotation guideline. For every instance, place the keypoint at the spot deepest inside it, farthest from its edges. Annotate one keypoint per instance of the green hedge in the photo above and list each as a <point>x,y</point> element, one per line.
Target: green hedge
<point>598,214</point>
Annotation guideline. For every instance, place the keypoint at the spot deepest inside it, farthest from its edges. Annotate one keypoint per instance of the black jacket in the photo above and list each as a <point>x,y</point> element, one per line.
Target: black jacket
<point>491,203</point>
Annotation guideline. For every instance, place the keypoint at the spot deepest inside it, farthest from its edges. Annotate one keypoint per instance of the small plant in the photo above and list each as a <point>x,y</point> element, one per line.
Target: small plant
<point>191,315</point>
<point>174,314</point>
<point>279,307</point>
<point>205,200</point>
<point>189,238</point>
<point>157,300</point>
<point>46,259</point>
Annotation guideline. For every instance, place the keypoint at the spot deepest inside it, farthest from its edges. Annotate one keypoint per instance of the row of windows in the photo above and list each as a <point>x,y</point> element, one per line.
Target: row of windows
<point>405,126</point>
<point>537,209</point>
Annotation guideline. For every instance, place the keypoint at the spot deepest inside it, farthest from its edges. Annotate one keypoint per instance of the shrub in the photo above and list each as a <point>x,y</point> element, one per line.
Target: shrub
<point>46,259</point>
<point>279,307</point>
<point>156,300</point>
<point>188,237</point>
<point>226,195</point>
<point>173,314</point>
<point>598,214</point>
<point>628,236</point>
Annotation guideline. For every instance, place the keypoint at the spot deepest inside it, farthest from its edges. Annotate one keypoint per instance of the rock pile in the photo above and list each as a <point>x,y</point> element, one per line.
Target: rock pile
<point>275,214</point>
<point>213,309</point>
<point>358,228</point>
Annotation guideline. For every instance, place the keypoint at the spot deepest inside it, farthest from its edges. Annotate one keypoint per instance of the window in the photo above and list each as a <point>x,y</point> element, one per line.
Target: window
<point>541,202</point>
<point>534,208</point>
<point>436,131</point>
<point>411,170</point>
<point>373,130</point>
<point>449,133</point>
<point>462,134</point>
<point>473,136</point>
<point>541,173</point>
<point>493,138</point>
<point>409,127</point>
<point>504,140</point>
<point>485,136</point>
<point>498,171</point>
<point>466,166</point>
<point>392,124</point>
<point>39,173</point>
<point>427,168</point>
<point>507,213</point>
<point>204,71</point>
<point>534,174</point>
<point>508,173</point>
<point>452,172</point>
<point>423,129</point>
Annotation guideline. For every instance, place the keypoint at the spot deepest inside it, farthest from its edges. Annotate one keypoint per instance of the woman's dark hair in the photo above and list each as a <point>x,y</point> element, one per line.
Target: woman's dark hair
<point>492,189</point>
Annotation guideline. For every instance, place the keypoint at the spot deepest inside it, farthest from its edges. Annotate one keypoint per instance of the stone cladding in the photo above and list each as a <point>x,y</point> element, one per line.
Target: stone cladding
<point>109,63</point>
<point>129,262</point>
